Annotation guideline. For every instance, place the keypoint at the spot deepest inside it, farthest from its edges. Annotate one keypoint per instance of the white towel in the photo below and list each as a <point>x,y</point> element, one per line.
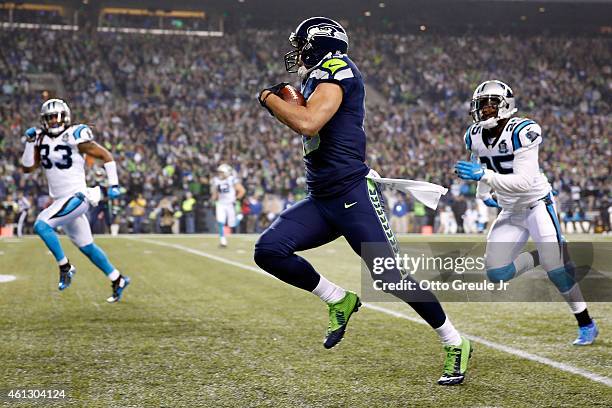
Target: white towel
<point>427,193</point>
<point>93,195</point>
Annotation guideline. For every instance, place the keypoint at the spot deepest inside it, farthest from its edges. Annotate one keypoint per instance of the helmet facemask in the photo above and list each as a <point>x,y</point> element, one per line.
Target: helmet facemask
<point>292,58</point>
<point>57,127</point>
<point>485,110</point>
<point>55,117</point>
<point>492,101</point>
<point>294,62</point>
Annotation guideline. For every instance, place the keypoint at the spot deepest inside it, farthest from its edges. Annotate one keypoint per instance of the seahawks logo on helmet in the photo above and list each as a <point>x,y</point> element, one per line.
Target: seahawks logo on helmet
<point>327,30</point>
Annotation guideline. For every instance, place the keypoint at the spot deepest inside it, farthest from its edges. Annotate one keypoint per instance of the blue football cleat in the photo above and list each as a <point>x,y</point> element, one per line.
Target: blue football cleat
<point>66,273</point>
<point>119,286</point>
<point>586,335</point>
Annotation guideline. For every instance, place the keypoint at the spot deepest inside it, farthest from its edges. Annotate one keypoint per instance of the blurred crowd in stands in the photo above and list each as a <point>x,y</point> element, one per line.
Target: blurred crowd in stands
<point>172,109</point>
<point>31,16</point>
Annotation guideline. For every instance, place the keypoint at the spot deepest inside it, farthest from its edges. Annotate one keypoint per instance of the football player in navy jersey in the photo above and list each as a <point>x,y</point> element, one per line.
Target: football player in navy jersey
<point>341,201</point>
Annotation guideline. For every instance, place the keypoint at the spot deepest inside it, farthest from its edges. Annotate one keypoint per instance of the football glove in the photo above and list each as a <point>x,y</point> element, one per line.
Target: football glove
<point>113,192</point>
<point>31,134</point>
<point>273,89</point>
<point>491,202</point>
<point>469,170</point>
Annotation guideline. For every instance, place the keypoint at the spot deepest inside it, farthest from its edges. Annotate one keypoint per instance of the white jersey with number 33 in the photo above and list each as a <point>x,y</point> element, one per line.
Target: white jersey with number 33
<point>512,161</point>
<point>63,163</point>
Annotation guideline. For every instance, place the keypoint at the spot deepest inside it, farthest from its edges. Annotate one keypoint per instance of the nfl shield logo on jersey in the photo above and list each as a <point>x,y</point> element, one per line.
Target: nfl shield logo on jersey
<point>503,147</point>
<point>531,135</point>
<point>65,137</point>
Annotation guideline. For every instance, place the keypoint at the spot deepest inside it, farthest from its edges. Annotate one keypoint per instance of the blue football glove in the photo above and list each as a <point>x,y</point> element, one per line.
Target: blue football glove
<point>113,192</point>
<point>31,134</point>
<point>469,170</point>
<point>491,202</point>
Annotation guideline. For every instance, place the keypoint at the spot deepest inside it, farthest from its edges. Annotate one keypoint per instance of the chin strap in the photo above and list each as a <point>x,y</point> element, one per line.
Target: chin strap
<point>303,72</point>
<point>489,123</point>
<point>60,129</point>
<point>492,122</point>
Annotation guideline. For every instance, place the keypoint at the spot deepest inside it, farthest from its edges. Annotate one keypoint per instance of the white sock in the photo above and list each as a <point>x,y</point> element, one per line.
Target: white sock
<point>329,292</point>
<point>523,263</point>
<point>114,275</point>
<point>62,261</point>
<point>574,299</point>
<point>449,336</point>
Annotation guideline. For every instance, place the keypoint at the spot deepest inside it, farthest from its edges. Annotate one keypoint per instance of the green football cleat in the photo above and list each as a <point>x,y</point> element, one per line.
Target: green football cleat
<point>339,315</point>
<point>456,363</point>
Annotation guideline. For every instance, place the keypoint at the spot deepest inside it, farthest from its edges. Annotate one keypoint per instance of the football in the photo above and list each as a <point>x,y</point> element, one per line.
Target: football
<point>292,95</point>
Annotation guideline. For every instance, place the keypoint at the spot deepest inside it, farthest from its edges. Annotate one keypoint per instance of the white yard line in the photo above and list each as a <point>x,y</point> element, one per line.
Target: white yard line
<point>497,346</point>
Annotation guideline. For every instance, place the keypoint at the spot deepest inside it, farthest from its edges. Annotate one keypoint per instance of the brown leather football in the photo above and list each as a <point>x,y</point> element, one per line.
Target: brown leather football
<point>291,95</point>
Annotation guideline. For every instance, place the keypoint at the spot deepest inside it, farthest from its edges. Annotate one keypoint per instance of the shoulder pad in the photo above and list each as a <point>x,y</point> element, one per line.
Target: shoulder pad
<point>81,133</point>
<point>334,66</point>
<point>526,133</point>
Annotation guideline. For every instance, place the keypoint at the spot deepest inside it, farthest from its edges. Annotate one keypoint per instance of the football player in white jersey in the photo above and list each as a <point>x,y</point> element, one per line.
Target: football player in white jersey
<point>507,148</point>
<point>226,189</point>
<point>59,148</point>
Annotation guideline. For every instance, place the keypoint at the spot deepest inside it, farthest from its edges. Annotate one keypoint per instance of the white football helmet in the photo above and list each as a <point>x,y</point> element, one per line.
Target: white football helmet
<point>225,170</point>
<point>492,93</point>
<point>58,109</point>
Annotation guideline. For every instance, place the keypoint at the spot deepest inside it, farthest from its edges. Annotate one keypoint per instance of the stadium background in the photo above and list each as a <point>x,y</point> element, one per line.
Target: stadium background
<point>172,107</point>
<point>202,325</point>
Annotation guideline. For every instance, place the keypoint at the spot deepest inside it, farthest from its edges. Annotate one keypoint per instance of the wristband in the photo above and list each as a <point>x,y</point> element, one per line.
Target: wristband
<point>27,159</point>
<point>111,173</point>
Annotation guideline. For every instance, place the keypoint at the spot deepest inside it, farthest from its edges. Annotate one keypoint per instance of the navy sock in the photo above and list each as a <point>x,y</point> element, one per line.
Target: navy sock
<point>583,318</point>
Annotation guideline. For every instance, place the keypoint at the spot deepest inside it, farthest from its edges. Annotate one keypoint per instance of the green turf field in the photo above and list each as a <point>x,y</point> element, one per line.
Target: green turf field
<point>199,326</point>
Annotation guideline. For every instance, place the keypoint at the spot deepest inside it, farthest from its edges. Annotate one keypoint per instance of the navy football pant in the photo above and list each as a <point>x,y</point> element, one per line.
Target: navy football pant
<point>357,215</point>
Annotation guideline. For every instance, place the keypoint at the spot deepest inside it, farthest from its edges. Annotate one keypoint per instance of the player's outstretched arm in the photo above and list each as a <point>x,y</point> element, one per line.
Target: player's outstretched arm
<point>525,169</point>
<point>307,120</point>
<point>30,159</point>
<point>96,151</point>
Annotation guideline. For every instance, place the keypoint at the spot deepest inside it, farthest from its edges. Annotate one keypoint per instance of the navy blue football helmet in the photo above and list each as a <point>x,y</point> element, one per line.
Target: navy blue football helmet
<point>314,38</point>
